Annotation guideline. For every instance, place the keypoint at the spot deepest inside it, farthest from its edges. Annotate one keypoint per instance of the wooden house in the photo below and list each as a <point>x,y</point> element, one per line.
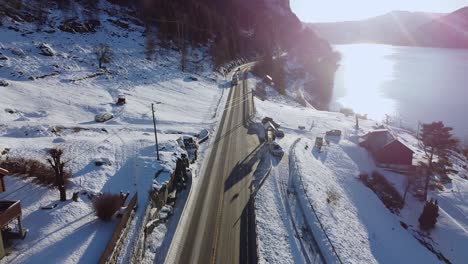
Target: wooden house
<point>387,150</point>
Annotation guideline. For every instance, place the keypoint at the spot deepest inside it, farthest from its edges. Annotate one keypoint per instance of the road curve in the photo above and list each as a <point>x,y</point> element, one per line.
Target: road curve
<point>210,228</point>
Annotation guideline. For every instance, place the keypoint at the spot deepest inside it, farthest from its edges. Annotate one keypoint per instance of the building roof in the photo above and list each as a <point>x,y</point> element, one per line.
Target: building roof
<point>398,142</point>
<point>377,139</point>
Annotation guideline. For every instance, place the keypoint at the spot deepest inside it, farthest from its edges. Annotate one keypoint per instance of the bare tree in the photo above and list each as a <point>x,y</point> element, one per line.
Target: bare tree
<point>103,54</point>
<point>56,163</point>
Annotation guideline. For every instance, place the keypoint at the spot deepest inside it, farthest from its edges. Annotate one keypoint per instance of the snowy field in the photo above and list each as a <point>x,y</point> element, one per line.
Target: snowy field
<point>360,227</point>
<point>59,110</point>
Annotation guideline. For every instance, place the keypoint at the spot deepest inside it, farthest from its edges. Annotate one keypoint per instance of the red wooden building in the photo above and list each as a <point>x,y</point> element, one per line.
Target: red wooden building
<point>387,150</point>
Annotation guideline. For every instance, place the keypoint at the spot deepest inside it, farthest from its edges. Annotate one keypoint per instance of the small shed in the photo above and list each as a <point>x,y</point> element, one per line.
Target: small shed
<point>9,211</point>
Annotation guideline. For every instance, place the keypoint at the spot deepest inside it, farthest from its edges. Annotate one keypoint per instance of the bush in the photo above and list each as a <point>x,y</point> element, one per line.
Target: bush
<point>347,111</point>
<point>429,215</point>
<point>32,168</point>
<point>389,196</point>
<point>106,205</point>
<point>333,196</point>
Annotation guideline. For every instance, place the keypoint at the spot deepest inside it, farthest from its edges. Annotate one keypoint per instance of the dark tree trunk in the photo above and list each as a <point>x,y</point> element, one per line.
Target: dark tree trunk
<point>63,193</point>
<point>428,176</point>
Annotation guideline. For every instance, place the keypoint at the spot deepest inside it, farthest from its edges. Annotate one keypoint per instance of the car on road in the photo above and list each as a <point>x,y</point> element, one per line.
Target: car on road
<point>276,150</point>
<point>334,132</point>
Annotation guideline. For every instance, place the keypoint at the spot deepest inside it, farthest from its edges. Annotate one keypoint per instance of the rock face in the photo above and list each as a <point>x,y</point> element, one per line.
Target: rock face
<point>73,26</point>
<point>46,50</point>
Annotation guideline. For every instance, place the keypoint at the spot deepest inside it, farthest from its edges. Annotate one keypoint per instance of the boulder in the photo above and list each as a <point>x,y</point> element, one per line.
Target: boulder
<point>18,52</point>
<point>103,117</point>
<point>4,83</point>
<point>3,57</point>
<point>46,50</point>
<point>73,26</point>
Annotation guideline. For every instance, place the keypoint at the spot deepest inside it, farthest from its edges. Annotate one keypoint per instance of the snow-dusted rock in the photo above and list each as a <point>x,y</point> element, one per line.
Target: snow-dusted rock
<point>3,57</point>
<point>4,83</point>
<point>73,26</point>
<point>103,117</point>
<point>18,52</point>
<point>58,140</point>
<point>46,50</point>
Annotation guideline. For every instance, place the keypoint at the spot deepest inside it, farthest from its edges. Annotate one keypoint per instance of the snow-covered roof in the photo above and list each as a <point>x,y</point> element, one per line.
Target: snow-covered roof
<point>396,141</point>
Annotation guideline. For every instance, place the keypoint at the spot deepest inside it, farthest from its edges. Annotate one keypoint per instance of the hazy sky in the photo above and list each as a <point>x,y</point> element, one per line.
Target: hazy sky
<point>343,10</point>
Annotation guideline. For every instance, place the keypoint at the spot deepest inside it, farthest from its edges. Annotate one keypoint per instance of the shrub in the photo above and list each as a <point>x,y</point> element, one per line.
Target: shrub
<point>32,168</point>
<point>429,215</point>
<point>347,111</point>
<point>389,196</point>
<point>333,196</point>
<point>106,205</point>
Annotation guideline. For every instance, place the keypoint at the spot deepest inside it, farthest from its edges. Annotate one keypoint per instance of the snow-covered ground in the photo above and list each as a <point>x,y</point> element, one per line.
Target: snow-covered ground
<point>57,111</point>
<point>360,227</point>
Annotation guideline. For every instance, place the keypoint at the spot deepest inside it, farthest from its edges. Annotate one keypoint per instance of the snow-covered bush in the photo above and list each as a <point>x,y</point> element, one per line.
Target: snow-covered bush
<point>106,205</point>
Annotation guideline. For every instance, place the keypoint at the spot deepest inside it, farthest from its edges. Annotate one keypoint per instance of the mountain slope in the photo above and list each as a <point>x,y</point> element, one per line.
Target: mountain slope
<point>450,31</point>
<point>402,28</point>
<point>395,27</point>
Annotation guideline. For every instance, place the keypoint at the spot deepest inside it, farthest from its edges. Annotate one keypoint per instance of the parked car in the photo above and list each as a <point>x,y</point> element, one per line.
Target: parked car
<point>103,117</point>
<point>267,119</point>
<point>334,132</point>
<point>276,150</point>
<point>279,133</point>
<point>203,136</point>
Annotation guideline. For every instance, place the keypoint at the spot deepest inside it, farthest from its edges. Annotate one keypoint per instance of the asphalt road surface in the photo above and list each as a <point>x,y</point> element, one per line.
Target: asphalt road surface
<point>209,230</point>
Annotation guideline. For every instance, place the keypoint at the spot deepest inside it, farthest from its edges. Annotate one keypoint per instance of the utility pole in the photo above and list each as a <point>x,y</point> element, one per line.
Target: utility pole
<point>155,132</point>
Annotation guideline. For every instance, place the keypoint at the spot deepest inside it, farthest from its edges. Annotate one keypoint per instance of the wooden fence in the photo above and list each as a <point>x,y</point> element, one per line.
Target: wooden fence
<point>115,243</point>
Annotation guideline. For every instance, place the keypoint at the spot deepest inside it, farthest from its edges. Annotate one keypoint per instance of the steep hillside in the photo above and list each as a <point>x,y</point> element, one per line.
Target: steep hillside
<point>251,29</point>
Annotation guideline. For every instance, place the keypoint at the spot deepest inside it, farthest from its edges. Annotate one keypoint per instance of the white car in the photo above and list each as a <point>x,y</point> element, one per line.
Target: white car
<point>103,117</point>
<point>276,150</point>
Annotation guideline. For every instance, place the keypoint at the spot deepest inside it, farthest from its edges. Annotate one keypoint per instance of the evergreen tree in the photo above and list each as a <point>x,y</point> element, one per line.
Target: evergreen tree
<point>436,139</point>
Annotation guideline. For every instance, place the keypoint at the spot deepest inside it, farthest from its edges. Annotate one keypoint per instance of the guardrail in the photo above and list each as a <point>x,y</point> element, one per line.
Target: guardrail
<point>311,204</point>
<point>115,243</point>
<point>139,249</point>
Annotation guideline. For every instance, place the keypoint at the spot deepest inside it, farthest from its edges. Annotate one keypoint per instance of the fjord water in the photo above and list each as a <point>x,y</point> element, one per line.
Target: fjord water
<point>409,83</point>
